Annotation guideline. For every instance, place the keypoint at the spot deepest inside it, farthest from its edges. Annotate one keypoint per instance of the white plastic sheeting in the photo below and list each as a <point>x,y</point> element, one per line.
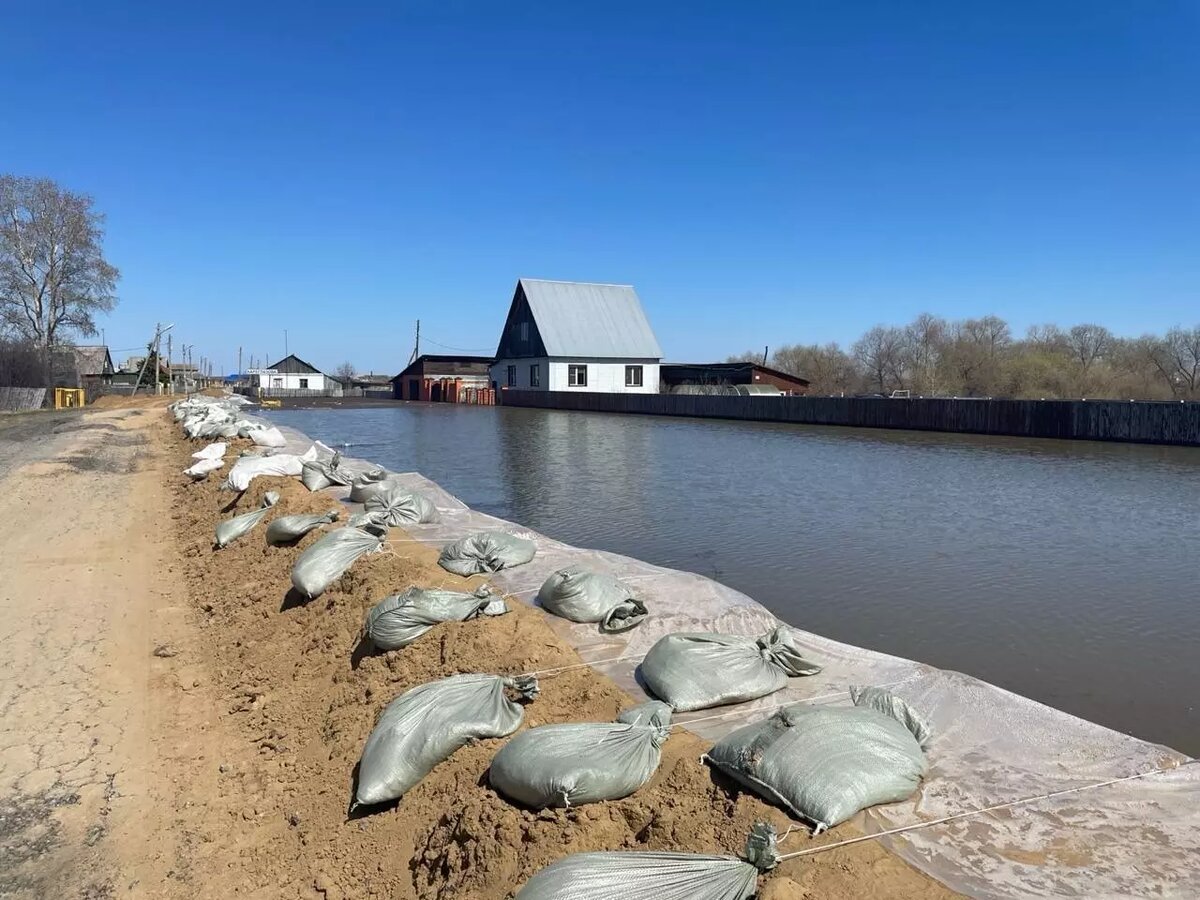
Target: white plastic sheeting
<point>1138,838</point>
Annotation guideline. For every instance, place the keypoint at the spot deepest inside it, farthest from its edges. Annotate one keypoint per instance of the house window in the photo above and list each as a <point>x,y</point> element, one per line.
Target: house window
<point>535,375</point>
<point>512,376</point>
<point>633,376</point>
<point>577,376</point>
<point>524,332</point>
<point>276,382</point>
<point>304,383</point>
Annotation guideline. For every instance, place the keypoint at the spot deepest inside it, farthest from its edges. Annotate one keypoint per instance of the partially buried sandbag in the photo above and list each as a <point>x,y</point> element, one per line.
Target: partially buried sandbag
<point>267,437</point>
<point>400,619</point>
<point>424,726</point>
<point>232,529</point>
<point>317,475</point>
<point>696,671</point>
<point>368,484</point>
<point>201,468</point>
<point>393,506</point>
<point>581,595</point>
<point>824,763</point>
<point>288,529</point>
<point>576,763</point>
<point>486,551</point>
<point>328,559</point>
<point>212,451</point>
<point>642,875</point>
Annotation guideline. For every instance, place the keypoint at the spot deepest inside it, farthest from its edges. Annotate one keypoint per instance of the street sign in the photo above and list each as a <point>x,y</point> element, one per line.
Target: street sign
<point>262,371</point>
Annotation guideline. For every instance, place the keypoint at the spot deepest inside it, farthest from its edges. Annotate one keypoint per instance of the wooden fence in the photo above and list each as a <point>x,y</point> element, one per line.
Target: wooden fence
<point>1089,420</point>
<point>18,399</point>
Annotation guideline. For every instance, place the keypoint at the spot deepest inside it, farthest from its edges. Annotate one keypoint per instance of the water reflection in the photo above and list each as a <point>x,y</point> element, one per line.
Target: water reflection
<point>1065,571</point>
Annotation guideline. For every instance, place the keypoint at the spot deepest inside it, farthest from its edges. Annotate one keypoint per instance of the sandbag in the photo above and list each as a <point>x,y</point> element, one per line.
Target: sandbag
<point>393,506</point>
<point>576,763</point>
<point>328,559</point>
<point>486,551</point>
<point>232,529</point>
<point>581,595</point>
<point>823,763</point>
<point>318,475</point>
<point>201,468</point>
<point>640,875</point>
<point>368,484</point>
<point>696,671</point>
<point>247,468</point>
<point>267,437</point>
<point>212,451</point>
<point>400,619</point>
<point>424,726</point>
<point>289,529</point>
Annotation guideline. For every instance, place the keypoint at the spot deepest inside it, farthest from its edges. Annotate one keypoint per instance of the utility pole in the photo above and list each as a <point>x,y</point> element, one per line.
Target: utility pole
<point>765,349</point>
<point>155,346</point>
<point>170,366</point>
<point>239,365</point>
<point>285,346</point>
<point>417,346</point>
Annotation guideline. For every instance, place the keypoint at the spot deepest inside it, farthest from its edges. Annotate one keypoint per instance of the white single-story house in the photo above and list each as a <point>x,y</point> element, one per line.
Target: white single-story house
<point>291,374</point>
<point>574,336</point>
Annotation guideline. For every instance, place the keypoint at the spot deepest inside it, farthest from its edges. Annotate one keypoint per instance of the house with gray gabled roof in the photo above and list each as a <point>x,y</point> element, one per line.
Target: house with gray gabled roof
<point>575,336</point>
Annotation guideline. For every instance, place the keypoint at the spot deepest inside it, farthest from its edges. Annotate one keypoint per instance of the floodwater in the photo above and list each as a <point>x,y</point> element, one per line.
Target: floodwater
<point>1064,571</point>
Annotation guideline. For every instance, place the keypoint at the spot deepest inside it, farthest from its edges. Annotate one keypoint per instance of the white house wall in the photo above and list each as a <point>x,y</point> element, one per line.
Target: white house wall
<point>604,376</point>
<point>291,381</point>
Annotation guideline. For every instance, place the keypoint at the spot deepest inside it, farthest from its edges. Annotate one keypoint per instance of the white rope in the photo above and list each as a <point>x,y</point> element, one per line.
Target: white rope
<point>594,662</point>
<point>978,812</point>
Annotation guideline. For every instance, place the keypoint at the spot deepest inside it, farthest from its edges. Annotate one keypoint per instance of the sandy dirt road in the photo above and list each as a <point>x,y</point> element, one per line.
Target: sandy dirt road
<point>87,764</point>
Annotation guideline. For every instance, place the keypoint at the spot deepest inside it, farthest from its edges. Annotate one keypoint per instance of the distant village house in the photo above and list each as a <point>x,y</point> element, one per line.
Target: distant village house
<point>575,336</point>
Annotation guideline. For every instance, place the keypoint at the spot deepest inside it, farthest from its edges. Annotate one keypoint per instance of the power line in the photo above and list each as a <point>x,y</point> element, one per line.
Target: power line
<point>459,349</point>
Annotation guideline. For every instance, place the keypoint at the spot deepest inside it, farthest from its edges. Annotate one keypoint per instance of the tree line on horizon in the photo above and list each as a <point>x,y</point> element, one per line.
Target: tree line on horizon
<point>935,357</point>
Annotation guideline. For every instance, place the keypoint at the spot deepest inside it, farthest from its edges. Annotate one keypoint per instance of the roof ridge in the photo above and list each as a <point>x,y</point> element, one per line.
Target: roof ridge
<point>591,283</point>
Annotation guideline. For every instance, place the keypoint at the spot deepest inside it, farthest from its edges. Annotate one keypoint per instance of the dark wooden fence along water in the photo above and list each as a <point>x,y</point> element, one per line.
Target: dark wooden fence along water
<point>1086,420</point>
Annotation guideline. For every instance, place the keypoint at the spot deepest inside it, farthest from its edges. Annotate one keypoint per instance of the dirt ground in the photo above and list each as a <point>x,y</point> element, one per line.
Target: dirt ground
<point>178,723</point>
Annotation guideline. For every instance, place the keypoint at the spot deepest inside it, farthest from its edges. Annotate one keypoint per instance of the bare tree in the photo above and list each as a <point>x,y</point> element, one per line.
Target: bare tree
<point>880,353</point>
<point>345,371</point>
<point>924,339</point>
<point>1176,358</point>
<point>828,368</point>
<point>54,279</point>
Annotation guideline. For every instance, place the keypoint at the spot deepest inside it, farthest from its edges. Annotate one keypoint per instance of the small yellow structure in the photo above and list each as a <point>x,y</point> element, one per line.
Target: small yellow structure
<point>68,398</point>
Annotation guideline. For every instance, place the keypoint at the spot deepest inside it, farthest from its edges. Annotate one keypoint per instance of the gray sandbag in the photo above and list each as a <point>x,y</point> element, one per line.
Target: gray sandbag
<point>426,725</point>
<point>368,484</point>
<point>394,506</point>
<point>641,875</point>
<point>581,595</point>
<point>232,529</point>
<point>400,619</point>
<point>696,671</point>
<point>576,763</point>
<point>289,529</point>
<point>318,475</point>
<point>486,551</point>
<point>825,763</point>
<point>328,559</point>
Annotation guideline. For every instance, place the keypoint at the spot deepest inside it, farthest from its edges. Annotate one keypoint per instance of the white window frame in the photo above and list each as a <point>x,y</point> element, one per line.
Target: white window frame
<point>535,375</point>
<point>574,371</point>
<point>304,384</point>
<point>512,376</point>
<point>630,372</point>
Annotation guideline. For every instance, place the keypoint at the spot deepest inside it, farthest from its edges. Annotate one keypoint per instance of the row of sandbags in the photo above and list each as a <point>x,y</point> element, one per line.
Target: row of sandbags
<point>821,763</point>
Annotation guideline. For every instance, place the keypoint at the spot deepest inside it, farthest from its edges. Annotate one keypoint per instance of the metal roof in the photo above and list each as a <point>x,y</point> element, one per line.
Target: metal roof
<point>599,320</point>
<point>294,365</point>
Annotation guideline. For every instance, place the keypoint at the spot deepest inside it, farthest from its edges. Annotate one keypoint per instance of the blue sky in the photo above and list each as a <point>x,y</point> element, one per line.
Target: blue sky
<point>763,173</point>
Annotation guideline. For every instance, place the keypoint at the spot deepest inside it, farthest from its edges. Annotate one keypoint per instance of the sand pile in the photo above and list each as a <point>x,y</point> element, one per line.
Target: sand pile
<point>296,683</point>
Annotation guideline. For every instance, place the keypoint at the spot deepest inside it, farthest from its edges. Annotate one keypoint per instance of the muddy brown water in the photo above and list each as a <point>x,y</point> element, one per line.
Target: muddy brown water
<point>1064,571</point>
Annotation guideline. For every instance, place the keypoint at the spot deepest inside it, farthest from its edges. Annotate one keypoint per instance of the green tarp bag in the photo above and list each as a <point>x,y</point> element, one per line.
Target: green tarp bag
<point>825,763</point>
<point>426,725</point>
<point>486,551</point>
<point>232,529</point>
<point>400,619</point>
<point>575,763</point>
<point>696,671</point>
<point>289,529</point>
<point>578,594</point>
